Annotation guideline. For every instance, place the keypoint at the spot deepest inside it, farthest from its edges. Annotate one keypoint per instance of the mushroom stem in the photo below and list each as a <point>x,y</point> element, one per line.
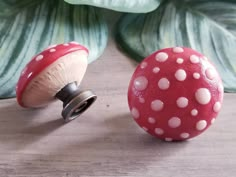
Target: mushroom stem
<point>75,102</point>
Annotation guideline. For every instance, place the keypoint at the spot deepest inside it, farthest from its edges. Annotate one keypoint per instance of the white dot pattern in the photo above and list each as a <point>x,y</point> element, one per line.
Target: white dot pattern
<point>157,105</point>
<point>178,50</point>
<point>151,120</point>
<point>135,113</point>
<point>201,125</point>
<point>220,88</point>
<point>194,112</point>
<point>217,107</point>
<point>52,50</point>
<point>180,75</point>
<point>159,131</point>
<point>155,70</point>
<point>163,83</point>
<point>39,57</point>
<point>203,96</point>
<point>141,100</point>
<point>184,135</point>
<point>196,76</point>
<point>140,83</point>
<point>184,116</point>
<point>194,59</point>
<point>213,120</point>
<point>210,73</point>
<point>179,60</point>
<point>174,122</point>
<point>143,65</point>
<point>162,57</point>
<point>182,102</point>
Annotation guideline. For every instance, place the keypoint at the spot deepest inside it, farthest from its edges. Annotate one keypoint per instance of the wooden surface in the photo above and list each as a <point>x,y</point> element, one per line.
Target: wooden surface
<point>105,141</point>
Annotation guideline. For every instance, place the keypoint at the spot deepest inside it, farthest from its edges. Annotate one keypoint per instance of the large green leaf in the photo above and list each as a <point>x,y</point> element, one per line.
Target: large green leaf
<point>134,6</point>
<point>185,23</point>
<point>32,29</point>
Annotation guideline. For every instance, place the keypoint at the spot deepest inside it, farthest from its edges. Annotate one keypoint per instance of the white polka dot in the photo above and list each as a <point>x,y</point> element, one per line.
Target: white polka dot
<point>203,96</point>
<point>159,131</point>
<point>145,129</point>
<point>221,91</point>
<point>201,124</point>
<point>39,57</point>
<point>52,50</point>
<point>196,75</point>
<point>161,57</point>
<point>194,112</point>
<point>213,120</point>
<point>155,70</point>
<point>179,60</point>
<point>168,139</point>
<point>180,75</point>
<point>74,42</point>
<point>141,100</point>
<point>194,59</point>
<point>220,88</point>
<point>30,74</point>
<point>135,113</point>
<point>182,102</point>
<point>143,65</point>
<point>178,50</point>
<point>140,83</point>
<point>163,84</point>
<point>184,135</point>
<point>151,120</point>
<point>217,107</point>
<point>174,122</point>
<point>210,73</point>
<point>157,105</point>
<point>66,44</point>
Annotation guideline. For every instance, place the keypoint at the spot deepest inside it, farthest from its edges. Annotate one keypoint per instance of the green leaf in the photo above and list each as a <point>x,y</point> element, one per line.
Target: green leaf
<point>11,7</point>
<point>133,6</point>
<point>223,12</point>
<point>185,23</point>
<point>33,29</point>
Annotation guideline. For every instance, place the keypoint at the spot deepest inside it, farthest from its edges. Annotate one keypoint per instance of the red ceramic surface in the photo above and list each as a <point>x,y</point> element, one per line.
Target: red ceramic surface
<point>175,94</point>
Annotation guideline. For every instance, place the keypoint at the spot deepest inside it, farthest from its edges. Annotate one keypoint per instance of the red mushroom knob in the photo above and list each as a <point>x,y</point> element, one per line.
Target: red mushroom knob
<point>175,94</point>
<point>56,73</point>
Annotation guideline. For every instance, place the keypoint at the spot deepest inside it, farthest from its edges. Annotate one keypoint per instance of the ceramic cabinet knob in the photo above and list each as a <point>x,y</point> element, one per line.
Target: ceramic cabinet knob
<point>175,94</point>
<point>56,73</point>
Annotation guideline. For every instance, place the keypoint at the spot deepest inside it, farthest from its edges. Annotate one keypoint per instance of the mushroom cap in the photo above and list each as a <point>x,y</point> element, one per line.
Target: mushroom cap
<point>175,94</point>
<point>49,71</point>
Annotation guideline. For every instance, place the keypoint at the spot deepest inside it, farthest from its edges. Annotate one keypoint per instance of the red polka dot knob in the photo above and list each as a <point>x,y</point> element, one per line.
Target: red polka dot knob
<point>54,73</point>
<point>175,94</point>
